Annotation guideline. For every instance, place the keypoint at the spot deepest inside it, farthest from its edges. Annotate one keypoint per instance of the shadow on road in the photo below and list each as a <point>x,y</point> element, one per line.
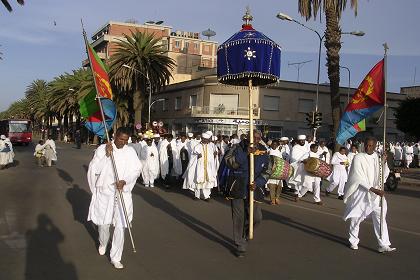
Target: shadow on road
<point>64,175</point>
<point>406,192</point>
<point>43,258</point>
<point>198,226</point>
<point>80,201</point>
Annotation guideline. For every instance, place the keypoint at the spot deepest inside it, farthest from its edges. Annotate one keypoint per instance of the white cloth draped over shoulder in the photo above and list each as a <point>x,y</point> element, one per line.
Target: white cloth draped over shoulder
<point>105,207</point>
<point>201,172</point>
<point>339,170</point>
<point>163,158</point>
<point>50,149</point>
<point>364,174</point>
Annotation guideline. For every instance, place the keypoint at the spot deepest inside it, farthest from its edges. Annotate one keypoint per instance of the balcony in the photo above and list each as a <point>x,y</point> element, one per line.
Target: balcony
<point>221,112</point>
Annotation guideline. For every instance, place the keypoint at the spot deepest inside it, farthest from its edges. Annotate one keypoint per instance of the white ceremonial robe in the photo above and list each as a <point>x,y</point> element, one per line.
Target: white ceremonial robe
<point>105,207</point>
<point>326,157</point>
<point>299,153</point>
<point>137,148</point>
<point>201,173</point>
<point>150,164</point>
<point>350,157</point>
<point>339,175</point>
<point>398,153</point>
<point>4,157</point>
<point>408,154</point>
<point>163,158</point>
<point>311,183</point>
<point>177,165</point>
<point>361,203</point>
<point>285,152</point>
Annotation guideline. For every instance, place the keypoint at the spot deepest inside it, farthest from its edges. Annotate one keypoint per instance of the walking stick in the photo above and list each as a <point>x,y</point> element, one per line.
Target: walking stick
<point>251,162</point>
<point>114,167</point>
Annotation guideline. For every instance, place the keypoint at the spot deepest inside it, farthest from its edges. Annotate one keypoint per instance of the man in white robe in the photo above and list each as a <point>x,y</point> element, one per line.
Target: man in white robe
<point>105,207</point>
<point>398,154</point>
<point>201,174</point>
<point>149,159</point>
<point>363,196</point>
<point>50,151</point>
<point>310,182</point>
<point>299,152</point>
<point>408,154</point>
<point>339,162</point>
<point>4,156</point>
<point>323,152</point>
<point>285,148</point>
<point>350,156</point>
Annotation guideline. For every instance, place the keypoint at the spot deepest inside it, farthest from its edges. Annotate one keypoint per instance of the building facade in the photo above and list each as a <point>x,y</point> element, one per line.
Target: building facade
<point>279,110</point>
<point>188,49</point>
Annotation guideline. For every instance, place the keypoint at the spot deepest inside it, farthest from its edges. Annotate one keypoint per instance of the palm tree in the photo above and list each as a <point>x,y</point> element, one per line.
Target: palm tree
<point>332,10</point>
<point>145,56</point>
<point>8,6</point>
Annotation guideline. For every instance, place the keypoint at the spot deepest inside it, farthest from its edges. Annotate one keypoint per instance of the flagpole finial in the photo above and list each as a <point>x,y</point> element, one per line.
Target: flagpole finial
<point>386,48</point>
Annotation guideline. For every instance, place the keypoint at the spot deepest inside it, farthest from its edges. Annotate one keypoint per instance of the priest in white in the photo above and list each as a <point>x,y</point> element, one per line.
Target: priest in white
<point>149,159</point>
<point>363,196</point>
<point>408,154</point>
<point>311,183</point>
<point>300,152</point>
<point>201,174</point>
<point>105,207</point>
<point>339,162</point>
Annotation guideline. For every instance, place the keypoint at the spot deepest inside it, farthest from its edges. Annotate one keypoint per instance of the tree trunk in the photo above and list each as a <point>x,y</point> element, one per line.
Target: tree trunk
<point>137,106</point>
<point>333,46</point>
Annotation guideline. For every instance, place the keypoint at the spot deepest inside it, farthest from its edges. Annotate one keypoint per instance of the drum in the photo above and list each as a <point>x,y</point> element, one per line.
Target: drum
<point>317,167</point>
<point>282,170</point>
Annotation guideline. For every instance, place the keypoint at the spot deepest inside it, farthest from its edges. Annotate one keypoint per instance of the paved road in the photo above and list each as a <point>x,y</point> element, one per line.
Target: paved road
<point>43,235</point>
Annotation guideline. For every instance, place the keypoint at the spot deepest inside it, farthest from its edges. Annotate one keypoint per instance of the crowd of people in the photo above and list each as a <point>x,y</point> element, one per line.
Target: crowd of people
<point>45,152</point>
<point>203,162</point>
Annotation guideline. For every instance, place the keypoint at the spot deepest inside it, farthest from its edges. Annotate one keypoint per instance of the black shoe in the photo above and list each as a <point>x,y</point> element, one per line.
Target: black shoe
<point>207,199</point>
<point>341,197</point>
<point>327,193</point>
<point>239,254</point>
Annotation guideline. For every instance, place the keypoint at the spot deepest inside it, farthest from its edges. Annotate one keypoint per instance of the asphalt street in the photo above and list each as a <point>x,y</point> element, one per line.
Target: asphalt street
<point>44,235</point>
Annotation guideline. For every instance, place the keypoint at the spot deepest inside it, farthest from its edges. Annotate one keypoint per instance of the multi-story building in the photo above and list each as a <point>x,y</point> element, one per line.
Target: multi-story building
<point>186,48</point>
<point>204,104</point>
<point>411,92</point>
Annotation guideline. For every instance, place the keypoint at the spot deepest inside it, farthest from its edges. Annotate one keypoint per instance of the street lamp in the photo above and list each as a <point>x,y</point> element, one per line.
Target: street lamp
<point>283,16</point>
<point>150,87</point>
<point>154,101</point>
<point>348,88</point>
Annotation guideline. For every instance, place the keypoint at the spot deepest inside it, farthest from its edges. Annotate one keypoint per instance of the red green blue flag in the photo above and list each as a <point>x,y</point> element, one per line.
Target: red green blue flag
<point>368,98</point>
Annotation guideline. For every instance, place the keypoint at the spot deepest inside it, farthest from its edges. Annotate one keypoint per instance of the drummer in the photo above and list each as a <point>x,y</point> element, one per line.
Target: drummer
<point>298,154</point>
<point>310,182</point>
<point>340,163</point>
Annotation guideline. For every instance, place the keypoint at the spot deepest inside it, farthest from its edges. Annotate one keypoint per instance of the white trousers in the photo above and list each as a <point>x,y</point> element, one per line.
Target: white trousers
<point>316,191</point>
<point>408,162</point>
<point>148,178</point>
<point>376,220</point>
<point>340,185</point>
<point>117,241</point>
<point>205,192</point>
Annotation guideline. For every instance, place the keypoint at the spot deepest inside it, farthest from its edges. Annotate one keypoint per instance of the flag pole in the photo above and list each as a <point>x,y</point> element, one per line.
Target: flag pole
<point>384,138</point>
<point>251,161</point>
<point>114,167</point>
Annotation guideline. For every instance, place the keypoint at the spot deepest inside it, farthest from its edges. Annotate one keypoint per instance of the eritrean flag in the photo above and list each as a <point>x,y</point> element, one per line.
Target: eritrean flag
<point>367,99</point>
<point>89,104</point>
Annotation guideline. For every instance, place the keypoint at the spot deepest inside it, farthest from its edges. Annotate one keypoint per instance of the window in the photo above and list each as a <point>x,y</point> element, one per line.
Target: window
<point>177,44</point>
<point>271,103</point>
<point>306,105</point>
<point>178,103</point>
<point>165,105</point>
<point>193,100</point>
<point>207,48</point>
<point>187,45</point>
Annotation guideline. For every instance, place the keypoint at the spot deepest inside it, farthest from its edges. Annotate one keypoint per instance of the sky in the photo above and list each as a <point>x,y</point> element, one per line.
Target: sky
<point>34,48</point>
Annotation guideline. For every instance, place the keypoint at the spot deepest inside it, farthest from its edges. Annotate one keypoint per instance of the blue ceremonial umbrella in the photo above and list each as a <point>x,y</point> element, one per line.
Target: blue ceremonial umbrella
<point>249,58</point>
<point>248,55</point>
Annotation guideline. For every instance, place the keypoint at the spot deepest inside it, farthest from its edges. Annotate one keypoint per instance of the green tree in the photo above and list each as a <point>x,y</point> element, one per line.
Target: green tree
<point>332,10</point>
<point>408,118</point>
<point>144,53</point>
<point>7,5</point>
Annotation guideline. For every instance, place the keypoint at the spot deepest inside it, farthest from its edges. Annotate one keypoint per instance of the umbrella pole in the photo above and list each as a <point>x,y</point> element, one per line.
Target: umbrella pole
<point>251,162</point>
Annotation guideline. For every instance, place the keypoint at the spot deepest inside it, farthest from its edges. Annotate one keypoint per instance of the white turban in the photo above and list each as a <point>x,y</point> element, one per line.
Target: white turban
<point>156,136</point>
<point>206,135</point>
<point>3,137</point>
<point>301,137</point>
<point>209,132</point>
<point>190,135</point>
<point>284,139</point>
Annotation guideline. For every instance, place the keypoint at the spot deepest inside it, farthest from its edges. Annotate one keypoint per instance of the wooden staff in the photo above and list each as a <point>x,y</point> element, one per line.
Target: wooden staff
<point>251,161</point>
<point>114,167</point>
